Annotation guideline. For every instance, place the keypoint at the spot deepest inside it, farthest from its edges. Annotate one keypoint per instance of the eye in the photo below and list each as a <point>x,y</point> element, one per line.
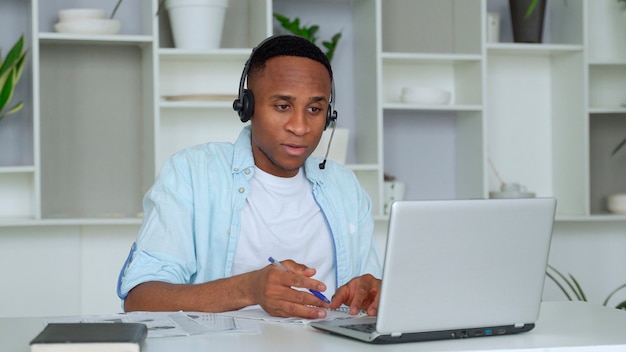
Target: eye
<point>315,110</point>
<point>282,107</point>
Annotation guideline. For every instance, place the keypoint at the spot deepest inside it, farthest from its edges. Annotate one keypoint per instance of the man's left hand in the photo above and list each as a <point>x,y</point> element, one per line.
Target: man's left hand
<point>360,293</point>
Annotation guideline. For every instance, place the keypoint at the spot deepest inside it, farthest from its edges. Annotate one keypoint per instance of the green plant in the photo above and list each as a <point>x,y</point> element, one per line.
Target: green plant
<point>531,8</point>
<point>569,284</point>
<point>309,33</point>
<point>10,72</point>
<point>116,7</point>
<point>620,145</point>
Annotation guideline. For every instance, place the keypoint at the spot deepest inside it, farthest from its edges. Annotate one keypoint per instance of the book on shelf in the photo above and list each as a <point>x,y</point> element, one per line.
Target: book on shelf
<point>96,337</point>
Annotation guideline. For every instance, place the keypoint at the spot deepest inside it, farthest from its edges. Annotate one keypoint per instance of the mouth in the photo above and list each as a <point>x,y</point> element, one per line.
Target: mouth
<point>294,149</point>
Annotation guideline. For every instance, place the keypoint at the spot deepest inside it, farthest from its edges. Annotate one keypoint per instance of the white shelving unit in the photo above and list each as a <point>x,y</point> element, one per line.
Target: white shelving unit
<point>107,110</point>
<point>99,122</point>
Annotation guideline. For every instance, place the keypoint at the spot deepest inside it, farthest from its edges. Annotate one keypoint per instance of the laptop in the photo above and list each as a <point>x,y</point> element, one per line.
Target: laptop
<point>458,269</point>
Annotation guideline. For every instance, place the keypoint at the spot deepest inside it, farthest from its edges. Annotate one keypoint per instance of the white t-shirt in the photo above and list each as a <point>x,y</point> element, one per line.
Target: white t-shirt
<point>281,219</point>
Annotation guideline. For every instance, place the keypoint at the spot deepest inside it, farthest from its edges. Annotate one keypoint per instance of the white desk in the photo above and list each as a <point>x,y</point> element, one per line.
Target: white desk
<point>562,326</point>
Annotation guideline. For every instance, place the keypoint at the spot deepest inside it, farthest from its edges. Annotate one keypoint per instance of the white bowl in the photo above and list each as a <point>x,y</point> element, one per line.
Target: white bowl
<point>93,26</point>
<point>70,15</point>
<point>425,95</point>
<point>617,203</point>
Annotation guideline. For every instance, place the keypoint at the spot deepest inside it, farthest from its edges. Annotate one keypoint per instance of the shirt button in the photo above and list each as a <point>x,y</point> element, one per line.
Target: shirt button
<point>236,169</point>
<point>247,171</point>
<point>241,189</point>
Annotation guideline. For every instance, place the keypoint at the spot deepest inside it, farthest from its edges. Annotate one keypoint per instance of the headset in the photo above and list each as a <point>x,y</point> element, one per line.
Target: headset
<point>244,104</point>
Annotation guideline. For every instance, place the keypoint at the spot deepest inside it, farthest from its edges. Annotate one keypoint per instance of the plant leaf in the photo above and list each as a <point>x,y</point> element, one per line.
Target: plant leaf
<point>13,56</point>
<point>331,46</point>
<point>6,93</point>
<point>531,8</point>
<point>559,285</point>
<point>19,67</point>
<point>567,281</point>
<point>116,7</point>
<point>579,291</point>
<point>15,108</point>
<point>619,146</point>
<point>606,301</point>
<point>312,31</point>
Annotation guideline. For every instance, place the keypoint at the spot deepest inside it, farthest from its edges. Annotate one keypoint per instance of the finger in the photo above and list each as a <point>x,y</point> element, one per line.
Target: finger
<point>358,301</point>
<point>300,311</point>
<point>298,268</point>
<point>373,307</point>
<point>339,298</point>
<point>299,281</point>
<point>294,303</point>
<point>302,297</point>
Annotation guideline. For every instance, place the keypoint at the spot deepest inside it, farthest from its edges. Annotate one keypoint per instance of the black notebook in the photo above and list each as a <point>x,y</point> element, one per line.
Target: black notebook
<point>109,337</point>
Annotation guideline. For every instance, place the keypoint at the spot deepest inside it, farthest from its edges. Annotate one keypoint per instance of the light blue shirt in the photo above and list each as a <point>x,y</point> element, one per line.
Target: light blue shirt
<point>192,217</point>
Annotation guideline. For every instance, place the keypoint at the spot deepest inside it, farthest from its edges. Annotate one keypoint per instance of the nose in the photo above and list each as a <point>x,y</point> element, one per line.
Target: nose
<point>298,123</point>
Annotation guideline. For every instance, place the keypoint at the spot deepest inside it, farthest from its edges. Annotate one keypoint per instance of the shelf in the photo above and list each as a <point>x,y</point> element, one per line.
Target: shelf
<point>196,104</point>
<point>16,169</point>
<point>169,54</point>
<point>608,110</point>
<point>82,39</point>
<point>532,49</point>
<point>607,63</point>
<point>404,58</point>
<point>417,107</point>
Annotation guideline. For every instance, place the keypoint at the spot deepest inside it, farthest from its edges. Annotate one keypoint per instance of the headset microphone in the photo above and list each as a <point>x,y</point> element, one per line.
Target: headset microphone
<point>332,133</point>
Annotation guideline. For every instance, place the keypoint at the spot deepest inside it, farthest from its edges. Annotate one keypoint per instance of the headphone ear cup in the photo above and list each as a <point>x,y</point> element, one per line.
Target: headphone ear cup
<point>331,115</point>
<point>247,106</point>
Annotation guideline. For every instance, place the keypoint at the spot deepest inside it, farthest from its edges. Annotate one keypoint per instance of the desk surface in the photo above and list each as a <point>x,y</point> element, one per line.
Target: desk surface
<point>562,326</point>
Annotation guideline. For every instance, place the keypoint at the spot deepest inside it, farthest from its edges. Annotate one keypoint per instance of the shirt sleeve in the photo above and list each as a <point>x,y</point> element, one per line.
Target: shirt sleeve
<point>164,249</point>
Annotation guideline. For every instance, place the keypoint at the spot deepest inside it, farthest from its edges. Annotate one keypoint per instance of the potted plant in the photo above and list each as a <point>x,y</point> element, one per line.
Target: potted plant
<point>309,33</point>
<point>11,68</point>
<point>527,17</point>
<point>569,285</point>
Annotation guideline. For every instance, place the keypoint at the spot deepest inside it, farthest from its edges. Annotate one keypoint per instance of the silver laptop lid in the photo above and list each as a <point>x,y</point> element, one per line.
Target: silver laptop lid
<point>454,264</point>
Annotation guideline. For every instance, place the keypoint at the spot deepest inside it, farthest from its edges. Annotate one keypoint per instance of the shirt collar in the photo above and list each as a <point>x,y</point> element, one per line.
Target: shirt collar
<point>243,158</point>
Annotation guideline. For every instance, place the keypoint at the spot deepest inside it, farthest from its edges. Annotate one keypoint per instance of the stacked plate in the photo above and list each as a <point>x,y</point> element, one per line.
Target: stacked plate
<point>425,95</point>
<point>86,21</point>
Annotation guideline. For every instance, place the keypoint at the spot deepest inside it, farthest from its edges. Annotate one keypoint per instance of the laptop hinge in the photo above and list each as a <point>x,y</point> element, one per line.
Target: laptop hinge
<point>396,334</point>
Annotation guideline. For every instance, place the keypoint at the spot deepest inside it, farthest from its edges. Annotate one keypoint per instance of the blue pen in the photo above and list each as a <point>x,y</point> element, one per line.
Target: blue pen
<point>282,267</point>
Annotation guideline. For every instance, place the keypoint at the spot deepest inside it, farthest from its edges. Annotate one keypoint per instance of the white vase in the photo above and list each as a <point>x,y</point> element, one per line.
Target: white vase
<point>197,24</point>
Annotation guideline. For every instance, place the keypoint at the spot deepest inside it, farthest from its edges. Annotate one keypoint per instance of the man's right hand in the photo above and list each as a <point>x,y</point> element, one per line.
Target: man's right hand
<point>274,291</point>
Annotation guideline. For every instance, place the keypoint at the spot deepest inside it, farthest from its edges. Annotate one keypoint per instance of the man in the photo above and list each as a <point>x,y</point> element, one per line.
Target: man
<point>218,211</point>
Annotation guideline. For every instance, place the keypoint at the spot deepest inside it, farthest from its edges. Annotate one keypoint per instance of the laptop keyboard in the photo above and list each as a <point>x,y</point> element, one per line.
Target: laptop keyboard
<point>368,328</point>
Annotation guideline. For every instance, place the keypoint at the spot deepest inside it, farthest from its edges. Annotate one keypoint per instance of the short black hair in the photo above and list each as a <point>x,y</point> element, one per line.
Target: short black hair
<point>286,45</point>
